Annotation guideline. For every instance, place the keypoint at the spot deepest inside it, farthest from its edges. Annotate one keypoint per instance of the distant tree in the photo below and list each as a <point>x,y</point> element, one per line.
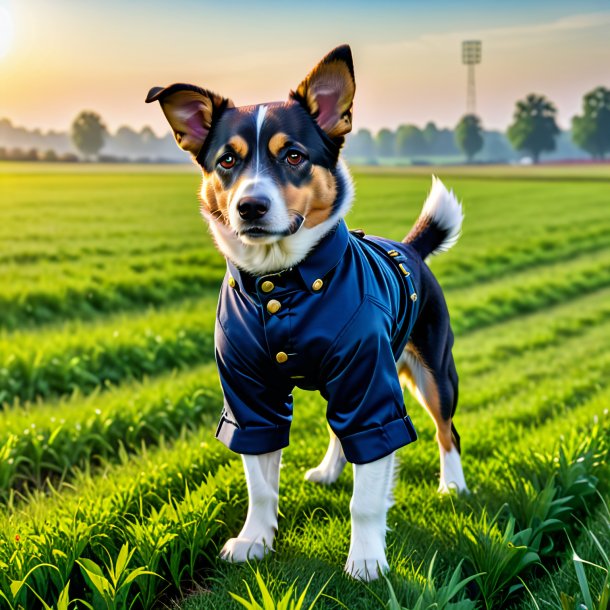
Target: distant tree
<point>50,156</point>
<point>410,141</point>
<point>496,147</point>
<point>128,141</point>
<point>69,158</point>
<point>469,135</point>
<point>361,144</point>
<point>534,128</point>
<point>147,135</point>
<point>591,131</point>
<point>431,134</point>
<point>88,133</point>
<point>385,143</point>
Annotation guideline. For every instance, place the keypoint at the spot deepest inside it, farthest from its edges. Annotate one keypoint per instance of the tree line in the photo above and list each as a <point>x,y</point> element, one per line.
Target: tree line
<point>126,144</point>
<point>533,131</point>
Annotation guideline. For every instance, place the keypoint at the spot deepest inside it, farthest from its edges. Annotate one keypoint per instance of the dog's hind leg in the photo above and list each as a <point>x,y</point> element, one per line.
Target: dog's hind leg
<point>433,382</point>
<point>256,537</point>
<point>331,466</point>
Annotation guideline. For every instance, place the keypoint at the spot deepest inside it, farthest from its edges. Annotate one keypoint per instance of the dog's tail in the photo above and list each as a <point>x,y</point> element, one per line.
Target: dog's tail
<point>439,224</point>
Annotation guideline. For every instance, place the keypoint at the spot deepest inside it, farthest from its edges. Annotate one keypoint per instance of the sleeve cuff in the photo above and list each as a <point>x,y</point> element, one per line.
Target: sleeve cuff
<point>370,445</point>
<point>252,441</point>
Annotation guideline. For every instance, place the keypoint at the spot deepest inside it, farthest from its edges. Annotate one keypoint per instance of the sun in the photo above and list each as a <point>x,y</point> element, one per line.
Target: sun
<point>6,32</point>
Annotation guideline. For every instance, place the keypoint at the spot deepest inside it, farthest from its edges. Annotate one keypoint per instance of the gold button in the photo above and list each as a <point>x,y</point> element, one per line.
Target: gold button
<point>392,253</point>
<point>273,306</point>
<point>317,285</point>
<point>267,286</point>
<point>281,357</point>
<point>414,297</point>
<point>231,281</point>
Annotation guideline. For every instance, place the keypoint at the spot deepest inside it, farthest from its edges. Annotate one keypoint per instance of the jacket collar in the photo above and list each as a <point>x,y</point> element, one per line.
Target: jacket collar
<point>319,262</point>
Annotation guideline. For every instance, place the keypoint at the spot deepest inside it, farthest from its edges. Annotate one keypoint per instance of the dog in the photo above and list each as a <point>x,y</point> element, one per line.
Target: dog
<point>307,303</point>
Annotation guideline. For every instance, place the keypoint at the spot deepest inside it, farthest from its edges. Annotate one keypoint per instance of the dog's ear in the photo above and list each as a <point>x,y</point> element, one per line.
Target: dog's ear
<point>190,112</point>
<point>327,92</point>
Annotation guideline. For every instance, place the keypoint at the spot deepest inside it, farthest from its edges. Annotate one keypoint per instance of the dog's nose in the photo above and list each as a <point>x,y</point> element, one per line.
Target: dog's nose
<point>253,208</point>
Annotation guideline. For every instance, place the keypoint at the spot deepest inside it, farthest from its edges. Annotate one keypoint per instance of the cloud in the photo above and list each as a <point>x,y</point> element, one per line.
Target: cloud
<point>500,35</point>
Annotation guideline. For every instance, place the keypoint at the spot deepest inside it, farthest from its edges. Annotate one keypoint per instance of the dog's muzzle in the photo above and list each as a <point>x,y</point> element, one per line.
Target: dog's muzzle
<point>296,222</point>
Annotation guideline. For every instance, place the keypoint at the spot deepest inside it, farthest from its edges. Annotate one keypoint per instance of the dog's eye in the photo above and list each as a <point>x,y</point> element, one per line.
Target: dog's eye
<point>294,157</point>
<point>227,161</point>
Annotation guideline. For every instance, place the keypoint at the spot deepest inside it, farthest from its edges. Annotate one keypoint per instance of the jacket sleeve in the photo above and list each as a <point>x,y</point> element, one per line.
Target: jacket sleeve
<point>257,409</point>
<point>365,401</point>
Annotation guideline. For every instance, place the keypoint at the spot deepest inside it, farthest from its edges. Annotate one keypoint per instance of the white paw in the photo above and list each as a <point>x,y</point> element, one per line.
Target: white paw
<point>320,475</point>
<point>240,550</point>
<point>367,569</point>
<point>452,475</point>
<point>452,487</point>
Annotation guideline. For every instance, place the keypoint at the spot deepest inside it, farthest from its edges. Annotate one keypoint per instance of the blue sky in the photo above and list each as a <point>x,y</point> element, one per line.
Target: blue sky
<point>67,55</point>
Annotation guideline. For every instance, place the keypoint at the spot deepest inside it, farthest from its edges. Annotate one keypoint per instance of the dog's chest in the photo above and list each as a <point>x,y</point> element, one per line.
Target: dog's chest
<point>287,327</point>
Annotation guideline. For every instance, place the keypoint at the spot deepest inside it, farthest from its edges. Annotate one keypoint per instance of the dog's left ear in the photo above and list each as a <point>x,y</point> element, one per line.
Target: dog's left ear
<point>328,92</point>
<point>190,112</point>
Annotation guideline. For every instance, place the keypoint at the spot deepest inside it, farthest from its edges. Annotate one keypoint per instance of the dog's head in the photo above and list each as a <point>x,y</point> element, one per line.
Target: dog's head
<point>273,184</point>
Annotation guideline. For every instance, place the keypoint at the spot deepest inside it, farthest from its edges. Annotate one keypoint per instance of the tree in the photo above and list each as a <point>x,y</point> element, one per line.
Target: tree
<point>88,133</point>
<point>534,128</point>
<point>430,134</point>
<point>469,135</point>
<point>360,144</point>
<point>591,131</point>
<point>385,143</point>
<point>410,141</point>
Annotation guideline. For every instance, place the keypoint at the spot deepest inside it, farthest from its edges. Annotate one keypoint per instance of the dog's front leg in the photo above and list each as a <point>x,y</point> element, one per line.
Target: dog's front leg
<point>370,502</point>
<point>256,537</point>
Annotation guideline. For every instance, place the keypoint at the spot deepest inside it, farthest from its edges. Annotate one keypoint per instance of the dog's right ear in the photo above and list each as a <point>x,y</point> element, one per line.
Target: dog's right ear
<point>190,112</point>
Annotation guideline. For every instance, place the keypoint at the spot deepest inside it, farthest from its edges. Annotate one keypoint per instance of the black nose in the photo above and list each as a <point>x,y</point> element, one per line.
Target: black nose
<point>253,208</point>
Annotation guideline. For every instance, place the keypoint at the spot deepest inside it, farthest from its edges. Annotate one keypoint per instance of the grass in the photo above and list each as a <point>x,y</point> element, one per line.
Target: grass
<point>114,490</point>
<point>76,356</point>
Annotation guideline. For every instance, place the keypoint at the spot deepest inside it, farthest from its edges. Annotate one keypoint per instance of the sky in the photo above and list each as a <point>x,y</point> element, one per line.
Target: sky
<point>58,57</point>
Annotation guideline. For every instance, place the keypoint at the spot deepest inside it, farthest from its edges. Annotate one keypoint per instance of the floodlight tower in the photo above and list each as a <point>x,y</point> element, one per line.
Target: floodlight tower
<point>471,56</point>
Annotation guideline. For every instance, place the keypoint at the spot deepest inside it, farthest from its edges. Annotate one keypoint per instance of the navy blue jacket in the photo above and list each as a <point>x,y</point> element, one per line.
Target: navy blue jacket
<point>336,323</point>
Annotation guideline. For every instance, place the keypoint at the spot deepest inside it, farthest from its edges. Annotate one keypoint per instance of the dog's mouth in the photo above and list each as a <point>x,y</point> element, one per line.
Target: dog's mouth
<point>257,232</point>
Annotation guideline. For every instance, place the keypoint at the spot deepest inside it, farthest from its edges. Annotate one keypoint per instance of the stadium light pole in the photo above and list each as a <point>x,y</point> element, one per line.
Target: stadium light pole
<point>471,56</point>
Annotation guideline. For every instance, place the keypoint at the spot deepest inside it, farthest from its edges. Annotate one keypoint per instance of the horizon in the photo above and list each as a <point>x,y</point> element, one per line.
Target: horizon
<point>407,63</point>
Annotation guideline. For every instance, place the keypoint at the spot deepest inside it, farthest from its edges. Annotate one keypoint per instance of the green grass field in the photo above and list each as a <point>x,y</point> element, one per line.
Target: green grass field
<point>114,491</point>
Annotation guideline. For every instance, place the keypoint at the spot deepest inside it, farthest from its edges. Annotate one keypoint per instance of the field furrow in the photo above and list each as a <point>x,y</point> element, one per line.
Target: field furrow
<point>54,438</point>
<point>85,357</point>
<point>86,296</point>
<point>525,255</point>
<point>554,365</point>
<point>483,350</point>
<point>526,292</point>
<point>82,251</point>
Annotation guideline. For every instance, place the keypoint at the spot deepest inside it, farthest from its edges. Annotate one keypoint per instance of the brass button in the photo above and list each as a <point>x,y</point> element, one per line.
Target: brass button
<point>281,357</point>
<point>273,306</point>
<point>267,286</point>
<point>231,281</point>
<point>414,297</point>
<point>317,285</point>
